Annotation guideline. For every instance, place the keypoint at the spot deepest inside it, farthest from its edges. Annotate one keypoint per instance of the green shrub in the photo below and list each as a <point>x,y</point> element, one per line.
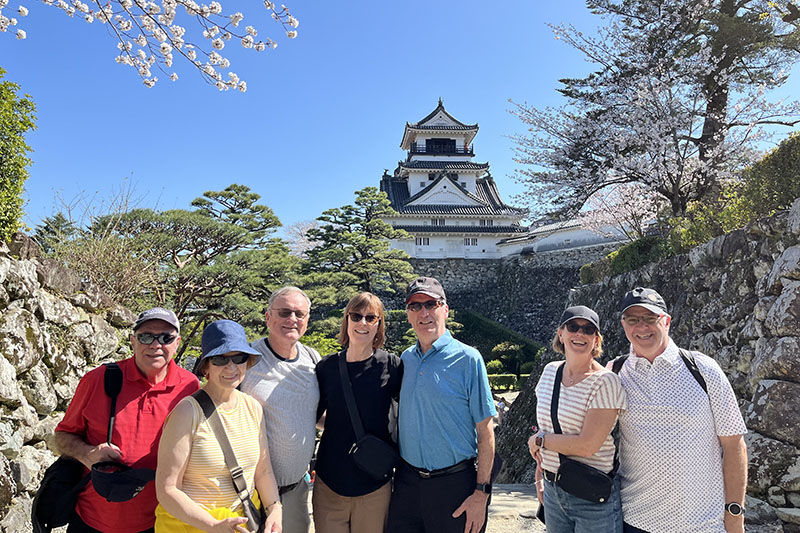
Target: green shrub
<point>596,271</point>
<point>637,253</point>
<point>502,381</point>
<point>526,368</point>
<point>485,334</point>
<point>320,342</point>
<point>521,381</point>
<point>774,182</point>
<point>494,367</point>
<point>705,220</point>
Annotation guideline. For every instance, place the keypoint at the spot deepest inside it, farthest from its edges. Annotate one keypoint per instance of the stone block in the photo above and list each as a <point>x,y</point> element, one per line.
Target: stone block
<point>56,310</point>
<point>8,487</point>
<point>783,318</point>
<point>775,358</point>
<point>787,266</point>
<point>20,338</point>
<point>21,280</point>
<point>772,411</point>
<point>775,497</point>
<point>54,276</point>
<point>37,387</point>
<point>772,463</point>
<point>789,514</point>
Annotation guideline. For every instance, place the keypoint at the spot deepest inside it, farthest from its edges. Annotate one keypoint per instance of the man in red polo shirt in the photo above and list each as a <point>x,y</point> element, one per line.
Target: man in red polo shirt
<point>152,385</point>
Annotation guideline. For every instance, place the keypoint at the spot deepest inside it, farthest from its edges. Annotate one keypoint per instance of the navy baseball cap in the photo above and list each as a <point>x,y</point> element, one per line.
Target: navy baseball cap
<point>117,482</point>
<point>644,297</point>
<point>580,311</point>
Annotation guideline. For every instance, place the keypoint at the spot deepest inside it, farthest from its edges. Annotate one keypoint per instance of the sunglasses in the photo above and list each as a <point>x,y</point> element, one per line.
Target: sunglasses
<point>162,338</point>
<point>430,305</point>
<point>634,320</point>
<point>286,313</point>
<point>587,329</point>
<point>223,360</point>
<point>357,317</point>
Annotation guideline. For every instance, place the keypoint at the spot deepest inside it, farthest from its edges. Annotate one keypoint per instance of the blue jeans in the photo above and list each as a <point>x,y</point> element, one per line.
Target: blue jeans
<point>566,513</point>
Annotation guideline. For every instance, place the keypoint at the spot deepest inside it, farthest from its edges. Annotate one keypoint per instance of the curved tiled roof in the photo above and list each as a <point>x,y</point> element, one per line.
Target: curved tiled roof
<point>487,195</point>
<point>443,165</point>
<point>411,228</point>
<point>440,107</point>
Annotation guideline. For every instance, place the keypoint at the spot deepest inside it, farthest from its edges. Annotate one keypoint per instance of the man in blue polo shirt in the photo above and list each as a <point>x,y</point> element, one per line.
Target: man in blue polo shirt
<point>445,426</point>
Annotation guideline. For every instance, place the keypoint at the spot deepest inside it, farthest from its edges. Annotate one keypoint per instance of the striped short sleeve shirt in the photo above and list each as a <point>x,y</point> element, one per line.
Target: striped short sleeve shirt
<point>600,390</point>
<point>207,479</point>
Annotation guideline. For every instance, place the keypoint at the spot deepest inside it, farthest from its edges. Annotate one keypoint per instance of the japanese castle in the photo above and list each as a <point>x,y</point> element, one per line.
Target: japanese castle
<point>449,203</point>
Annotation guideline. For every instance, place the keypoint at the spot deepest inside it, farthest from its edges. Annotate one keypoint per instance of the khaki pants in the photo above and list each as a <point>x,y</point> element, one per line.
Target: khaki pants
<point>344,514</point>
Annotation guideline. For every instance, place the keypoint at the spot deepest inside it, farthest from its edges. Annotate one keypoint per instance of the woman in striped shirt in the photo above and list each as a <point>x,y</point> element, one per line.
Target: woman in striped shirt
<point>193,482</point>
<point>590,399</point>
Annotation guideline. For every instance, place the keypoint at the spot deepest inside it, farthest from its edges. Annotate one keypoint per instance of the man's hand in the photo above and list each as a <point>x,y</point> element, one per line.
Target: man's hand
<point>475,507</point>
<point>101,452</point>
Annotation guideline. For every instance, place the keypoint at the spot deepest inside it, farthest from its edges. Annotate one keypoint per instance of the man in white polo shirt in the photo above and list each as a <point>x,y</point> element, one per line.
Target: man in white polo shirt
<point>683,460</point>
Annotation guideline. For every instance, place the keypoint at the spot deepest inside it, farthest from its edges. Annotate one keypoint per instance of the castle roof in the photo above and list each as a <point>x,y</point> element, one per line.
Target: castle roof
<point>437,120</point>
<point>486,200</point>
<point>443,165</point>
<point>420,229</point>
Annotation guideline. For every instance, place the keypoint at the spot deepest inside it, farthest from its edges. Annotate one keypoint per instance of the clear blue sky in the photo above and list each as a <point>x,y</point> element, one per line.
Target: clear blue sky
<point>323,114</point>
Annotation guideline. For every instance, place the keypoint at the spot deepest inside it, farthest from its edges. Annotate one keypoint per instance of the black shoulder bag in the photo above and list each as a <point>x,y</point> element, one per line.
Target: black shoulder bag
<point>579,479</point>
<point>374,456</point>
<point>64,480</point>
<point>253,515</point>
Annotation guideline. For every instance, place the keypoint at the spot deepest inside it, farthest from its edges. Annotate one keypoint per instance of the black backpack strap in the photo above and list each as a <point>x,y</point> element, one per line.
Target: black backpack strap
<point>112,383</point>
<point>616,365</point>
<point>691,364</point>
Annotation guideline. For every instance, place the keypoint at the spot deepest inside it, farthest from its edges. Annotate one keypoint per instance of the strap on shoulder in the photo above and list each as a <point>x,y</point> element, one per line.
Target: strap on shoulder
<point>691,364</point>
<point>349,397</point>
<point>616,365</point>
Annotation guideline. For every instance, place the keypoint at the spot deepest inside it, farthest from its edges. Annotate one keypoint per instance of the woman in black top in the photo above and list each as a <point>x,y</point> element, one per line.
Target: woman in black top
<point>346,499</point>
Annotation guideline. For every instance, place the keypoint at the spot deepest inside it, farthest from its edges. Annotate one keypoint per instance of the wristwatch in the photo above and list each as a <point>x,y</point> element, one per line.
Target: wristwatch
<point>485,488</point>
<point>734,508</point>
<point>538,439</point>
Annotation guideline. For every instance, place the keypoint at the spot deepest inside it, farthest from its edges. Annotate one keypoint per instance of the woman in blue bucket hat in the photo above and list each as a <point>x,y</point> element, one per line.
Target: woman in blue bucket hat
<point>193,480</point>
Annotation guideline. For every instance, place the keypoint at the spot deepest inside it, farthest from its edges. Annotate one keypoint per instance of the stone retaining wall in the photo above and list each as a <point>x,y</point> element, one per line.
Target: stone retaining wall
<point>53,329</point>
<point>736,299</point>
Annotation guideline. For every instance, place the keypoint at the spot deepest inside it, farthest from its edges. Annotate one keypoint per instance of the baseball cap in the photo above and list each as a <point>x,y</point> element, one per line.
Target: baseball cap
<point>423,285</point>
<point>580,311</point>
<point>117,482</point>
<point>644,297</point>
<point>157,313</point>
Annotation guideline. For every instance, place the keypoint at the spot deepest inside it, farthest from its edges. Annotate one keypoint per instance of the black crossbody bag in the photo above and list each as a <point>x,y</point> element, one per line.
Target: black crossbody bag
<point>374,456</point>
<point>255,518</point>
<point>579,479</point>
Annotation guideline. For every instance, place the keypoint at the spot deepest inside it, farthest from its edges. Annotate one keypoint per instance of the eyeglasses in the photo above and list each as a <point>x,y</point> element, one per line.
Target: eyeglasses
<point>631,320</point>
<point>357,317</point>
<point>587,329</point>
<point>286,313</point>
<point>223,360</point>
<point>162,338</point>
<point>430,305</point>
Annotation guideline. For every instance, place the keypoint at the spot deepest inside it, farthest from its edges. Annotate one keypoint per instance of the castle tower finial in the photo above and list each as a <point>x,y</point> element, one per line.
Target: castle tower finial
<point>440,101</point>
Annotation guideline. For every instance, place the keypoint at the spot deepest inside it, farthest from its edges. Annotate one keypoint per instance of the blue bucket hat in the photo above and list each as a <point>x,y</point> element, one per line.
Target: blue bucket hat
<point>224,336</point>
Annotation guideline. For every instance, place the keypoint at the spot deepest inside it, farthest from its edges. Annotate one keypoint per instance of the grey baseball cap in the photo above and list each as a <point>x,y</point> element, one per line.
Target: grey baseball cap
<point>423,285</point>
<point>157,313</point>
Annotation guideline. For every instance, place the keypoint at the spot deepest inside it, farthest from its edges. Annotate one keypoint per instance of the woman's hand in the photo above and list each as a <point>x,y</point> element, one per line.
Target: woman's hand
<point>539,476</point>
<point>274,518</point>
<point>532,447</point>
<point>237,524</point>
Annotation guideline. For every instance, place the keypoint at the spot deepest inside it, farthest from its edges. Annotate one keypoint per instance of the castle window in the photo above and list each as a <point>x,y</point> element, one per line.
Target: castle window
<point>440,146</point>
<point>470,241</point>
<point>437,222</point>
<point>464,184</point>
<point>487,222</point>
<point>423,241</point>
<point>431,176</point>
<point>422,184</point>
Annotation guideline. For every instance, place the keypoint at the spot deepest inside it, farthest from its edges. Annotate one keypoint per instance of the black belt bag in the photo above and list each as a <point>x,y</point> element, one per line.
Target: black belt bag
<point>371,454</point>
<point>583,481</point>
<point>374,456</point>
<point>574,477</point>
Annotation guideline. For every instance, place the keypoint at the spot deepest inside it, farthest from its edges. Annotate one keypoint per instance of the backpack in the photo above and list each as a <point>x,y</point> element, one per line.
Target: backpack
<point>688,360</point>
<point>64,479</point>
